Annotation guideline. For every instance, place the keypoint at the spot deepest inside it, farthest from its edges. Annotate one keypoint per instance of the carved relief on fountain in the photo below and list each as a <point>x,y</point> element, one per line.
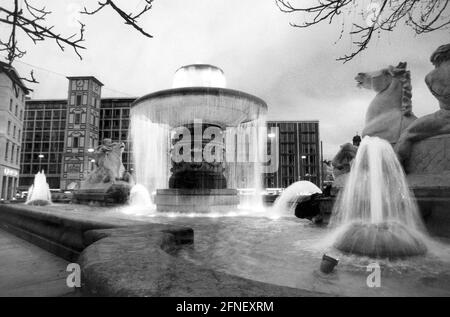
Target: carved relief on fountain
<point>430,156</point>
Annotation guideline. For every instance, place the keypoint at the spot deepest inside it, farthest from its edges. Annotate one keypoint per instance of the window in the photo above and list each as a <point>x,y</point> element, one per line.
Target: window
<point>21,114</point>
<point>77,118</point>
<point>14,132</point>
<point>12,153</point>
<point>78,100</point>
<point>75,142</point>
<point>9,127</point>
<point>6,151</point>
<point>16,112</point>
<point>26,168</point>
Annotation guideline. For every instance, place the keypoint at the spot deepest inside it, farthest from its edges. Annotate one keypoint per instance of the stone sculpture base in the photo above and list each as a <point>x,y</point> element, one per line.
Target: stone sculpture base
<point>196,200</point>
<point>103,194</point>
<point>429,177</point>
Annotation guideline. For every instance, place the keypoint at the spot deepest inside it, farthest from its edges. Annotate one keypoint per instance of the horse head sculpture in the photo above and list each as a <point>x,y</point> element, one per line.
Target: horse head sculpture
<point>390,112</point>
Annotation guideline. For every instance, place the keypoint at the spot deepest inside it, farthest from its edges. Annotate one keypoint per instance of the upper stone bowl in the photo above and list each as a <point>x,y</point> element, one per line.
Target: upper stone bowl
<point>199,94</point>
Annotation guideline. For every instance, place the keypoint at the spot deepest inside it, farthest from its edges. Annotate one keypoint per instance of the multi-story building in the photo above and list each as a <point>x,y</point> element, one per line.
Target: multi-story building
<point>299,153</point>
<point>114,124</point>
<point>60,136</point>
<point>12,104</point>
<point>43,141</point>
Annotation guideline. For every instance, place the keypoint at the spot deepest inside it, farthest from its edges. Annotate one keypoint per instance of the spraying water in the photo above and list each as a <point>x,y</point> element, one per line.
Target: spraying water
<point>139,196</point>
<point>39,192</point>
<point>287,201</point>
<point>375,214</point>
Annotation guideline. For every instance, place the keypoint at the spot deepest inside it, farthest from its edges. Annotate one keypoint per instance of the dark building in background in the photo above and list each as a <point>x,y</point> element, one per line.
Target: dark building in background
<point>114,124</point>
<point>299,153</point>
<point>43,141</point>
<point>60,135</point>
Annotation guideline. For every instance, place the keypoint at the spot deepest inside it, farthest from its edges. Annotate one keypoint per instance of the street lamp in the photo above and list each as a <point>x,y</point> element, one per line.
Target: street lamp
<point>90,150</point>
<point>271,135</point>
<point>40,156</point>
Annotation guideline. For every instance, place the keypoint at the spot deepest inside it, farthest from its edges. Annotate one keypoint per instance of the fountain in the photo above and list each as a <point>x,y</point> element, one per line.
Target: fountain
<point>292,195</point>
<point>197,127</point>
<point>39,193</point>
<point>375,214</point>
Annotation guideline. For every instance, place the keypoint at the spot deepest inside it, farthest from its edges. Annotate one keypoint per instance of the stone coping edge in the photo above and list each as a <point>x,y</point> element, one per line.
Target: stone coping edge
<point>127,258</point>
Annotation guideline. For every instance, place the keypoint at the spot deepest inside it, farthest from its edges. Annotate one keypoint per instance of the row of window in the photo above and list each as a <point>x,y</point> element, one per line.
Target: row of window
<point>34,168</point>
<point>114,135</point>
<point>45,114</point>
<point>114,124</point>
<point>14,131</point>
<point>17,113</point>
<point>12,153</point>
<point>44,125</point>
<point>41,157</point>
<point>39,147</point>
<point>45,136</point>
<point>114,113</point>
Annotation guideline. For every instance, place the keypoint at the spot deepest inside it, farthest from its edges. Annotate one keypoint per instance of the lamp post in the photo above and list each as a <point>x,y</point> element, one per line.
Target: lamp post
<point>40,156</point>
<point>303,157</point>
<point>90,152</point>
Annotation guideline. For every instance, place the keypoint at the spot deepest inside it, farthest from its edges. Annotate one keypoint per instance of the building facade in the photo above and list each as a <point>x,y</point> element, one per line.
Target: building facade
<point>12,105</point>
<point>82,129</point>
<point>299,153</point>
<point>60,136</point>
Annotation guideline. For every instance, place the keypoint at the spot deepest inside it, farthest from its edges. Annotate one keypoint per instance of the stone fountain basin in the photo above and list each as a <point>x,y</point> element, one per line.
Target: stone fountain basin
<point>218,106</point>
<point>382,240</point>
<point>156,255</point>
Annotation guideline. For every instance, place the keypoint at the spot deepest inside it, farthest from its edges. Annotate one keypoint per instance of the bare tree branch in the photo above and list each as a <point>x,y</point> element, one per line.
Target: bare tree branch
<point>423,16</point>
<point>129,18</point>
<point>31,21</point>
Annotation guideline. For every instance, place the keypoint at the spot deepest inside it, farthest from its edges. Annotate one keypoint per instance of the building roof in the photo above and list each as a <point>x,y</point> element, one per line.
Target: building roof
<point>11,72</point>
<point>86,77</point>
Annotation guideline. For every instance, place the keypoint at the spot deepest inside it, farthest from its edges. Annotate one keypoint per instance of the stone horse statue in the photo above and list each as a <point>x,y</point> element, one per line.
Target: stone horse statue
<point>108,163</point>
<point>108,182</point>
<point>390,112</point>
<point>437,123</point>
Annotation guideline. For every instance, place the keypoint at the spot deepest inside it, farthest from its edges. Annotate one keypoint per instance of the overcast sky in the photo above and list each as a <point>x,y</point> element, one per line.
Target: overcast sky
<point>293,70</point>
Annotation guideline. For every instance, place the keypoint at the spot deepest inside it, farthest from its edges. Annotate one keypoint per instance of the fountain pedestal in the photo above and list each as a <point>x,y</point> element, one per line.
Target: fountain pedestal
<point>196,200</point>
<point>198,110</point>
<point>429,177</point>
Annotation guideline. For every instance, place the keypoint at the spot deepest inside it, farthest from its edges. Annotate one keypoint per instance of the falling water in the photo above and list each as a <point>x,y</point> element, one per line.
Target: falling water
<point>375,214</point>
<point>39,192</point>
<point>198,100</point>
<point>245,146</point>
<point>150,154</point>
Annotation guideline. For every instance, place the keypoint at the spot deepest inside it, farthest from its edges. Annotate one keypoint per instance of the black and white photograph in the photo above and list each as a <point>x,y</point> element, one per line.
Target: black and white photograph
<point>230,155</point>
